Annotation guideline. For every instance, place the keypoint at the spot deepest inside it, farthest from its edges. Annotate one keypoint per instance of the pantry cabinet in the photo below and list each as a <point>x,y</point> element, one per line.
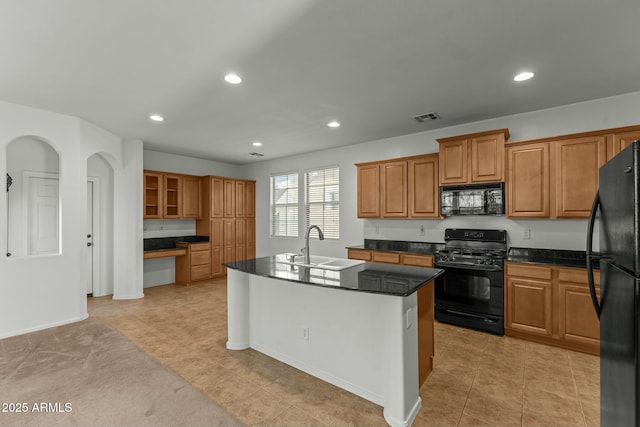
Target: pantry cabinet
<point>399,188</point>
<point>232,230</point>
<point>551,305</point>
<point>472,158</point>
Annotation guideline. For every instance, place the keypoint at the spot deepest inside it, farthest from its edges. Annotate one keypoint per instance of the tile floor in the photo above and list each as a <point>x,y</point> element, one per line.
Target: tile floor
<point>478,379</point>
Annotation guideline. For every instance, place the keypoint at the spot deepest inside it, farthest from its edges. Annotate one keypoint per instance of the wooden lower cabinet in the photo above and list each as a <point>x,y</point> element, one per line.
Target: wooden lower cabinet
<point>551,305</point>
<point>195,266</point>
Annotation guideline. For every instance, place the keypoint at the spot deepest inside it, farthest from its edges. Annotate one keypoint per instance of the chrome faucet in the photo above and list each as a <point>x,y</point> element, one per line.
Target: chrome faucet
<point>305,250</point>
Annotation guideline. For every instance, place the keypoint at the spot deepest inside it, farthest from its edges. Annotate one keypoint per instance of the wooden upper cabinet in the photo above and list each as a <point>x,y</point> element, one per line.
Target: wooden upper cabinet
<point>240,202</point>
<point>472,158</point>
<point>528,175</point>
<point>172,196</point>
<point>229,204</point>
<point>368,191</point>
<point>622,140</point>
<point>424,200</point>
<point>487,158</point>
<point>153,195</point>
<point>393,183</point>
<point>577,161</point>
<point>216,188</point>
<point>454,162</point>
<point>191,197</point>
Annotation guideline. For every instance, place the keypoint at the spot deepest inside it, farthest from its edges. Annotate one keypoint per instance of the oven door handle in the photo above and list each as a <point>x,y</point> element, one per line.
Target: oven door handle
<point>471,267</point>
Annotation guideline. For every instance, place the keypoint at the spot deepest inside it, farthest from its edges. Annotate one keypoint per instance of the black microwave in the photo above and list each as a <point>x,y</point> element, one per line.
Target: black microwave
<point>472,199</point>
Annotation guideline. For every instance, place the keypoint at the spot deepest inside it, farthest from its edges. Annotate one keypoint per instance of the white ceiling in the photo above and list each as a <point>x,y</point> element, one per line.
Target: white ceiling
<point>371,64</point>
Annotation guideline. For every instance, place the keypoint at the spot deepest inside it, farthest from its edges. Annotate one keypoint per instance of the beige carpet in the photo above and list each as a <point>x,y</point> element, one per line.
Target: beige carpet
<point>88,374</point>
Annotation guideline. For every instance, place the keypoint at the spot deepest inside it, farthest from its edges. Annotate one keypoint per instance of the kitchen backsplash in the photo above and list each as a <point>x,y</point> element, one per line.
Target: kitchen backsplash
<point>168,227</point>
<point>548,234</point>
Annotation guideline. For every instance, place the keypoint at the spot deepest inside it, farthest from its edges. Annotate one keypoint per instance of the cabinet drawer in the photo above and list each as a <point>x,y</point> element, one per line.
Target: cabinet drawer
<point>417,260</point>
<point>578,275</point>
<point>195,247</point>
<point>200,258</point>
<point>200,272</point>
<point>532,271</point>
<point>361,254</point>
<point>389,258</point>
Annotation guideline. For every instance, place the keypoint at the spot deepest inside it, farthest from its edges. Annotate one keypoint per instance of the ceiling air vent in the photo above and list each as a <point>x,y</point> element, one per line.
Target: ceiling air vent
<point>256,154</point>
<point>426,117</point>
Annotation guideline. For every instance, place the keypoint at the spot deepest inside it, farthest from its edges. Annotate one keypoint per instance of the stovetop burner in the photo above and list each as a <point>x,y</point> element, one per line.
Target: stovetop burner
<point>473,247</point>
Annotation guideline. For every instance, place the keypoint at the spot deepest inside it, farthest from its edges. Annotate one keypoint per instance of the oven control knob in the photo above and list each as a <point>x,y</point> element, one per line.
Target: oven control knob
<point>488,261</point>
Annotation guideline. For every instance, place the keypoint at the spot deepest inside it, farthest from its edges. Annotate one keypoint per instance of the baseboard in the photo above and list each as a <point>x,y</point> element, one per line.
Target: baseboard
<point>45,326</point>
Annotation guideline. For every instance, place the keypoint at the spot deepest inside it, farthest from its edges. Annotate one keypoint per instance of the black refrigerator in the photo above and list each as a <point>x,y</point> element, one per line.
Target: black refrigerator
<point>618,201</point>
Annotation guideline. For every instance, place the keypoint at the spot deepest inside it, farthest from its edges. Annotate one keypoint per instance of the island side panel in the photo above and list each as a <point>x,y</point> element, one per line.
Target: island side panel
<point>425,332</point>
<point>362,342</point>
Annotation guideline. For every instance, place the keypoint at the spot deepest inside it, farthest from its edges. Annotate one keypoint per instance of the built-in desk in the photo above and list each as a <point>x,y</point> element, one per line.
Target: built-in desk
<point>164,253</point>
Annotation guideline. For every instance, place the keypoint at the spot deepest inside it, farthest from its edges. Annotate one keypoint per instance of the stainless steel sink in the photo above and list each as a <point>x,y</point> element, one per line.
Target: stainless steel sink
<point>326,263</point>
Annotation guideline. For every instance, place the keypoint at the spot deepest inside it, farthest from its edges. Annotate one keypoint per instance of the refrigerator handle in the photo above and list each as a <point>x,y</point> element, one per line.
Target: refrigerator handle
<point>592,285</point>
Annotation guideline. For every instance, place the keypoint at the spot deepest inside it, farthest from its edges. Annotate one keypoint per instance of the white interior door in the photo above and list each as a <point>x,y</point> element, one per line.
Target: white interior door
<point>89,233</point>
<point>44,216</point>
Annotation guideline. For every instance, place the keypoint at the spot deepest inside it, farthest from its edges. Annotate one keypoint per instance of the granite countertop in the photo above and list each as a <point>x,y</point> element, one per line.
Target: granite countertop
<point>387,279</point>
<point>559,257</point>
<point>167,243</point>
<point>424,248</point>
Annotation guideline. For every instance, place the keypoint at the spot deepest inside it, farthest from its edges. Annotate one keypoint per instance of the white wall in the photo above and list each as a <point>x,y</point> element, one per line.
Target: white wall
<point>190,165</point>
<point>560,234</point>
<point>43,291</point>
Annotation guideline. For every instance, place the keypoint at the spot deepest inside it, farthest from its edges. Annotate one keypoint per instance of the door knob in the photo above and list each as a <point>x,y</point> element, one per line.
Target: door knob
<point>89,244</point>
<point>88,236</point>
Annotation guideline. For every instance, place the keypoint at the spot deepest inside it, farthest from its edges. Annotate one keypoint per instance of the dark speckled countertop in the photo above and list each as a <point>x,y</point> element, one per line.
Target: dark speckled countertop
<point>387,279</point>
<point>163,243</point>
<point>424,248</point>
<point>559,257</point>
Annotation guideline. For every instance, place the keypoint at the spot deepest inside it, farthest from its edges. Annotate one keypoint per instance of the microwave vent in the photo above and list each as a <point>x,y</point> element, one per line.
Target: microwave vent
<point>426,117</point>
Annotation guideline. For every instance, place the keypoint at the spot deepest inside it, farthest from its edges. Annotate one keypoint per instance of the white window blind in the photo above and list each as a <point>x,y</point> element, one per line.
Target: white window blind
<point>284,205</point>
<point>322,200</point>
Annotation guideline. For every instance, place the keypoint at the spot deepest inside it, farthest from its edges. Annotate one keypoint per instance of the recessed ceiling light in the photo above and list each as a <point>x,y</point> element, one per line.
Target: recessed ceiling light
<point>234,79</point>
<point>525,75</point>
<point>156,118</point>
<point>333,124</point>
<point>257,144</point>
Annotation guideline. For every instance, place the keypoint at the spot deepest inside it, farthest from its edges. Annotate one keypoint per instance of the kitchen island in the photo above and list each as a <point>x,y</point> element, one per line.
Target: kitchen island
<point>358,328</point>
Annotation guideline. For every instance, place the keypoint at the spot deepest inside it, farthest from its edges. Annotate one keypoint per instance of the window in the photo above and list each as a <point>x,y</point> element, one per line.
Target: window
<point>322,200</point>
<point>284,205</point>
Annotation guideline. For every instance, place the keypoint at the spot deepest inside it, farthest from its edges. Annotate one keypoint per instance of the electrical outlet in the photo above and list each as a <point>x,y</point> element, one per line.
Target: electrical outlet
<point>526,234</point>
<point>305,333</point>
<point>422,230</point>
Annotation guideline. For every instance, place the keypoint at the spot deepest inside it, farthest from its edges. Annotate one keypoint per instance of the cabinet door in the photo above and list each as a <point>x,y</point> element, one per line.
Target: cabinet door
<point>528,306</point>
<point>241,239</point>
<point>217,197</point>
<point>172,196</point>
<point>622,140</point>
<point>250,199</point>
<point>423,187</point>
<point>487,158</point>
<point>217,241</point>
<point>369,191</point>
<point>577,162</point>
<point>578,322</point>
<point>528,181</point>
<point>229,204</point>
<point>386,257</point>
<point>251,238</point>
<point>240,189</point>
<point>229,241</point>
<point>153,192</point>
<point>394,189</point>
<point>191,188</point>
<point>453,157</point>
